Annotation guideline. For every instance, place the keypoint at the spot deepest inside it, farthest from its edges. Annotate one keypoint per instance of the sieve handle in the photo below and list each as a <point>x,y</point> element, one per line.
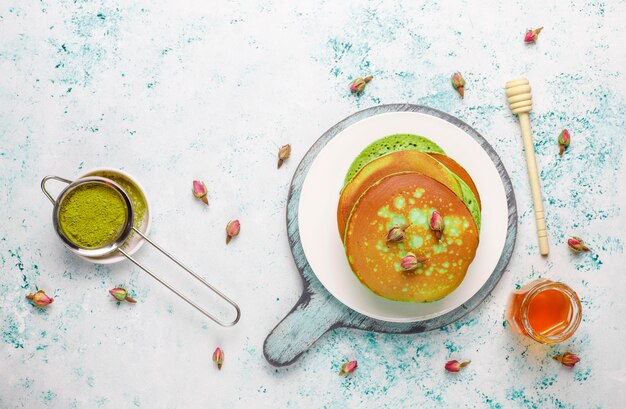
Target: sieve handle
<point>196,276</point>
<point>47,178</point>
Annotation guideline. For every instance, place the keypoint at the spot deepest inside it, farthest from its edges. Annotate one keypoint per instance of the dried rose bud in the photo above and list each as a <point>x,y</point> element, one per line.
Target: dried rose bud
<point>358,85</point>
<point>455,366</point>
<point>577,244</point>
<point>458,83</point>
<point>283,154</point>
<point>120,294</point>
<point>200,191</point>
<point>232,229</point>
<point>563,140</point>
<point>40,299</point>
<point>218,357</point>
<point>567,359</point>
<point>531,35</point>
<point>348,367</point>
<point>410,261</point>
<point>436,224</point>
<point>396,233</point>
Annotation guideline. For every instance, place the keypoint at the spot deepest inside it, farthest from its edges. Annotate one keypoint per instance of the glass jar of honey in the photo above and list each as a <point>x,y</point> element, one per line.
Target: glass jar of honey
<point>544,310</point>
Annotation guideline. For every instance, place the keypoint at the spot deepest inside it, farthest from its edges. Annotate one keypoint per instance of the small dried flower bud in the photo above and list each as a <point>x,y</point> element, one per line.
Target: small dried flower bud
<point>348,367</point>
<point>563,140</point>
<point>396,233</point>
<point>531,35</point>
<point>218,357</point>
<point>200,191</point>
<point>40,299</point>
<point>455,366</point>
<point>232,229</point>
<point>358,85</point>
<point>567,359</point>
<point>576,244</point>
<point>436,224</point>
<point>411,261</point>
<point>458,83</point>
<point>120,294</point>
<point>283,154</point>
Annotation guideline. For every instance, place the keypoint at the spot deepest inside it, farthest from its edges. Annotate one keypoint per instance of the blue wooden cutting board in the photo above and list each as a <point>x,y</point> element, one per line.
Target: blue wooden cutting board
<point>317,311</point>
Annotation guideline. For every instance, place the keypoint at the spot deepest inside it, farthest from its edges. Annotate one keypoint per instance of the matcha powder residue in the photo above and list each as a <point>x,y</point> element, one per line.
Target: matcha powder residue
<point>133,192</point>
<point>92,215</point>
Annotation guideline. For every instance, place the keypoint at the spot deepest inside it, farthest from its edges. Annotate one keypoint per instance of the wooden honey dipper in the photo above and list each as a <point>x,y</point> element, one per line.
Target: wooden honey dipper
<point>520,99</point>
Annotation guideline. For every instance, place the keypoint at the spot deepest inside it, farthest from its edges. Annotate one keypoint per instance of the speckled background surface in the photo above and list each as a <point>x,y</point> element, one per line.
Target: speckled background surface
<point>172,91</point>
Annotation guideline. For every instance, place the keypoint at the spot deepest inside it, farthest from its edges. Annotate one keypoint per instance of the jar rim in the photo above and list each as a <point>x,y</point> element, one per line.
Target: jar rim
<point>575,304</point>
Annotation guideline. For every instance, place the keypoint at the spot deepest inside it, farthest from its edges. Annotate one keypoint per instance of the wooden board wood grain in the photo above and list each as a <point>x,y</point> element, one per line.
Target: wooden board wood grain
<point>317,311</point>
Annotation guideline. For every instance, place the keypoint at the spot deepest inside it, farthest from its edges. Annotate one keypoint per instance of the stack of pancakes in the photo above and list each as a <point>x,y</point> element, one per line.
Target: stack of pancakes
<point>399,181</point>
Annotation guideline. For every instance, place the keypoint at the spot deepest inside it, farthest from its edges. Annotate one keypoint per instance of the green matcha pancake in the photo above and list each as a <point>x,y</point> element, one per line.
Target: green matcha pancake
<point>469,199</point>
<point>409,199</point>
<point>388,144</point>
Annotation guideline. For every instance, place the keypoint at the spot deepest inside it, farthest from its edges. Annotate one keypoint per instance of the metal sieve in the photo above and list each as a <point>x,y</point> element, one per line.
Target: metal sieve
<point>123,233</point>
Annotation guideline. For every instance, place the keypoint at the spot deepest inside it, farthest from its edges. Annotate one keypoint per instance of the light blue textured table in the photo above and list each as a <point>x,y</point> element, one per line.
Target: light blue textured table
<point>172,91</point>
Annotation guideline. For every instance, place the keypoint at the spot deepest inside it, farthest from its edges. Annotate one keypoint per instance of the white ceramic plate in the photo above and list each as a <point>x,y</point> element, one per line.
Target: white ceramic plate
<point>318,205</point>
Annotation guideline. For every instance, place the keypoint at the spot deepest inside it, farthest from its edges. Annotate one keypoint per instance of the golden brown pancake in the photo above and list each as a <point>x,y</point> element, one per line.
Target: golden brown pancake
<point>401,161</point>
<point>409,198</point>
<point>459,170</point>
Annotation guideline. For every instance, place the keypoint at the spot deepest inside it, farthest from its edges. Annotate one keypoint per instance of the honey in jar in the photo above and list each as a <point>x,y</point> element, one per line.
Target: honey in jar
<point>544,310</point>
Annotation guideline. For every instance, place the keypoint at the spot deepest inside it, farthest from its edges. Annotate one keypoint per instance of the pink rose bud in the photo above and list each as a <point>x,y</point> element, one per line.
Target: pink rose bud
<point>576,244</point>
<point>567,359</point>
<point>531,35</point>
<point>232,229</point>
<point>563,140</point>
<point>120,294</point>
<point>348,367</point>
<point>396,233</point>
<point>455,366</point>
<point>411,261</point>
<point>283,154</point>
<point>458,83</point>
<point>218,357</point>
<point>200,191</point>
<point>358,85</point>
<point>436,224</point>
<point>40,299</point>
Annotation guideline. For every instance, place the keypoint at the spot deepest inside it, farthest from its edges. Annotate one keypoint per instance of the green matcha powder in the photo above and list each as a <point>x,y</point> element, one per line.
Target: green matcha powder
<point>133,192</point>
<point>92,215</point>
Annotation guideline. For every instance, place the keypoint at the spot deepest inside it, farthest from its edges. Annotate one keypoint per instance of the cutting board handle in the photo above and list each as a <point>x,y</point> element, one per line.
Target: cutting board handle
<point>315,313</point>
